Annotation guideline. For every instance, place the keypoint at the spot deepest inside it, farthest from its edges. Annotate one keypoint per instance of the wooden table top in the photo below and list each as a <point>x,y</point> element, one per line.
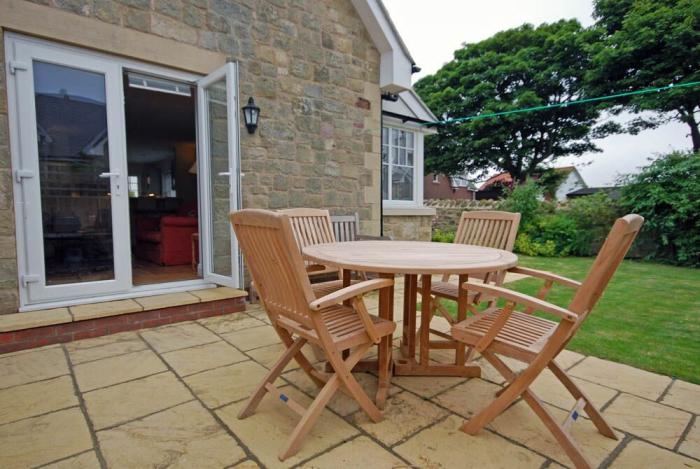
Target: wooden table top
<point>411,257</point>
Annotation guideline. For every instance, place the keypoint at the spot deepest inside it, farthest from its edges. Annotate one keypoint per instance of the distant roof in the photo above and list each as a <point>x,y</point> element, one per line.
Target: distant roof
<point>613,192</point>
<point>565,169</point>
<point>503,178</point>
<point>506,179</point>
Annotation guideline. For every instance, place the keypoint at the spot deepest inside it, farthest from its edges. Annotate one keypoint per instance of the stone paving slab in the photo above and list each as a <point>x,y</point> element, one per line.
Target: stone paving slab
<point>170,396</point>
<point>654,422</point>
<point>622,377</point>
<point>40,440</point>
<point>183,436</point>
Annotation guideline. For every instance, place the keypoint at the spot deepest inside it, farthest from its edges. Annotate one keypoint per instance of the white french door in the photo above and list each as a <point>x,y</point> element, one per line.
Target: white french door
<point>217,148</point>
<point>69,171</point>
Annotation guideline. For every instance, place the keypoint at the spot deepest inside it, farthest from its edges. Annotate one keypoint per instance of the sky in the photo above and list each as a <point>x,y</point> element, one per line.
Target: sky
<point>434,29</point>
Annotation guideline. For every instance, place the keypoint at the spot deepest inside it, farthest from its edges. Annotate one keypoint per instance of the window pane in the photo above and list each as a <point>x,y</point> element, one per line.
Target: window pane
<point>394,137</point>
<point>401,183</point>
<point>409,157</point>
<point>385,136</point>
<point>218,148</point>
<point>76,205</point>
<point>402,156</point>
<point>409,139</point>
<point>402,138</point>
<point>394,156</point>
<point>385,154</point>
<point>385,182</point>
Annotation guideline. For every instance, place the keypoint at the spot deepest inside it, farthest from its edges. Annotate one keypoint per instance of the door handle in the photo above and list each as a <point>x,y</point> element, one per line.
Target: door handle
<point>117,188</point>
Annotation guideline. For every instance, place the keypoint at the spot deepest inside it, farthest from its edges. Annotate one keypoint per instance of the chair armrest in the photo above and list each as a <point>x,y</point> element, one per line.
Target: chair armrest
<point>522,299</point>
<point>339,296</point>
<point>544,275</point>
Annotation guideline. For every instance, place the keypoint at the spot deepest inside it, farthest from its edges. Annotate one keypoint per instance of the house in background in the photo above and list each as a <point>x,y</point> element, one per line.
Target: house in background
<point>439,186</point>
<point>123,145</point>
<point>569,180</point>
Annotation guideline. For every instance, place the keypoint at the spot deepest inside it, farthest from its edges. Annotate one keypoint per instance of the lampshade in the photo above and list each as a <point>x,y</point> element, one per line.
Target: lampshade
<point>251,114</point>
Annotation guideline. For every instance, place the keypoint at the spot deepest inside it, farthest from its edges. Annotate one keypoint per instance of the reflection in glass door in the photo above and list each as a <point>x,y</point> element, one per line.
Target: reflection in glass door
<point>73,151</point>
<point>73,224</point>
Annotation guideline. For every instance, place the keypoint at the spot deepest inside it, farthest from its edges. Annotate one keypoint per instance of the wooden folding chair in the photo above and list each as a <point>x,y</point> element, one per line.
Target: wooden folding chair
<point>537,341</point>
<point>335,322</point>
<point>347,228</point>
<point>480,228</point>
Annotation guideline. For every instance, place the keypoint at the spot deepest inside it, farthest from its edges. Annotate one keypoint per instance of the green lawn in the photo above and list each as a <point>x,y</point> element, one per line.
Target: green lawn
<point>649,316</point>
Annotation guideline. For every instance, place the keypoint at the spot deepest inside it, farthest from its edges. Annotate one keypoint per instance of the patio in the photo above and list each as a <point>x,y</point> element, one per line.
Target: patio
<point>170,395</point>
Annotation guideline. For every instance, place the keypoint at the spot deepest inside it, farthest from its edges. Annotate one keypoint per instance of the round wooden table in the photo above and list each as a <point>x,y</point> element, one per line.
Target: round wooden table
<point>413,258</point>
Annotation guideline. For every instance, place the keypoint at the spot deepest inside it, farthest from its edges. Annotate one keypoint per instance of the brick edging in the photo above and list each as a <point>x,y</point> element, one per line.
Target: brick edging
<point>68,332</point>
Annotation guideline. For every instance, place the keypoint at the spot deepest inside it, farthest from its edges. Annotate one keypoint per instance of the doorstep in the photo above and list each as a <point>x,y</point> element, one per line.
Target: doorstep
<point>43,327</point>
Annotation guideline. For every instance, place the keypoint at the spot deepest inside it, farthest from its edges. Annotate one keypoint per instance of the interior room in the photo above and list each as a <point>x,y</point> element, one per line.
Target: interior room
<point>162,180</point>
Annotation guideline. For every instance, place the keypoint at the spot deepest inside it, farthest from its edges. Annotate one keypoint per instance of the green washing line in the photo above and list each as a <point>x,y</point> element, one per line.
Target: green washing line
<point>459,120</point>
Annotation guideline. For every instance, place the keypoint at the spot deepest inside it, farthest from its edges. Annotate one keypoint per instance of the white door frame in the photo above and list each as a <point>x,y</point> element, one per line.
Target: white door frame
<point>229,72</point>
<point>19,121</point>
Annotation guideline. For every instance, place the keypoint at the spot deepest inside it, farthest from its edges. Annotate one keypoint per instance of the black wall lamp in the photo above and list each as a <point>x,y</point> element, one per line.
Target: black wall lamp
<point>251,114</point>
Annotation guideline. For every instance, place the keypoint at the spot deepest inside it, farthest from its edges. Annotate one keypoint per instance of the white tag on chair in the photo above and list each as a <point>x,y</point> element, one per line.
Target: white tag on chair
<point>574,414</point>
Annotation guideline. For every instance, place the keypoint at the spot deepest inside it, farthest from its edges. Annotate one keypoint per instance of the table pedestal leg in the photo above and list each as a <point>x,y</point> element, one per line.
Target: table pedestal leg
<point>408,366</point>
<point>385,365</point>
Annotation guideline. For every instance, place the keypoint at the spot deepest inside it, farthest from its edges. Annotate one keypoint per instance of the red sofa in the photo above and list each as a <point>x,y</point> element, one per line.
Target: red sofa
<point>166,240</point>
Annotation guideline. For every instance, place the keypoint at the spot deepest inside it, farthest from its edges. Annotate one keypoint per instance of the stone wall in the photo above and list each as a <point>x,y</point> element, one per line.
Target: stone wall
<point>448,212</point>
<point>311,67</point>
<point>408,227</point>
<point>9,295</point>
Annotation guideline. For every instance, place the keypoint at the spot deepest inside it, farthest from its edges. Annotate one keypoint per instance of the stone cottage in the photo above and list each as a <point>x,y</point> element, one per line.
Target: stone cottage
<point>125,142</point>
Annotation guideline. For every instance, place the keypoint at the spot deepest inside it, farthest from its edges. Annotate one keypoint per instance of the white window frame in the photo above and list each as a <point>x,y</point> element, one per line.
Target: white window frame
<point>124,65</point>
<point>417,165</point>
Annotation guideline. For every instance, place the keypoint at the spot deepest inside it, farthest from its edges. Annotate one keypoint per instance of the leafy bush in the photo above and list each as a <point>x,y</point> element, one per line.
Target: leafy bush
<point>578,228</point>
<point>594,215</point>
<point>667,194</point>
<point>441,236</point>
<point>525,245</point>
<point>523,199</point>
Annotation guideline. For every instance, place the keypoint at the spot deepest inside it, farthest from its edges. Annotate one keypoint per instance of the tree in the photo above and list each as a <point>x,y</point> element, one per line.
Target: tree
<point>518,68</point>
<point>648,43</point>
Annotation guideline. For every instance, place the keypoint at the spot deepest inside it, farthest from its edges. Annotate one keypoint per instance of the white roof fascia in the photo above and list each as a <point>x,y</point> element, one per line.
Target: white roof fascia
<point>396,64</point>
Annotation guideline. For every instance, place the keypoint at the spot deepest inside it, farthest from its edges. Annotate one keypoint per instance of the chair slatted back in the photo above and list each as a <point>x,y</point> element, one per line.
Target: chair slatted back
<point>345,227</point>
<point>491,229</point>
<point>611,254</point>
<point>310,226</point>
<point>275,263</point>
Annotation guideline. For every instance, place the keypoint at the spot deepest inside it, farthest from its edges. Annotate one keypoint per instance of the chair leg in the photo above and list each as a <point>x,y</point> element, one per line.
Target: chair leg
<point>312,414</point>
<point>596,417</point>
<point>342,368</point>
<point>564,439</point>
<point>301,359</point>
<point>572,449</point>
<point>272,375</point>
<point>501,403</point>
<point>353,387</point>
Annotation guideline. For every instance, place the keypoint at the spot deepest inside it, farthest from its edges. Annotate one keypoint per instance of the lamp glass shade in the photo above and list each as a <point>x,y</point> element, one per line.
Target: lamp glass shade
<point>251,114</point>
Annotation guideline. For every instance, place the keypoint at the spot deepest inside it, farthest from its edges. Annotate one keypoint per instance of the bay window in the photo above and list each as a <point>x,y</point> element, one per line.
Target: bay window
<point>399,167</point>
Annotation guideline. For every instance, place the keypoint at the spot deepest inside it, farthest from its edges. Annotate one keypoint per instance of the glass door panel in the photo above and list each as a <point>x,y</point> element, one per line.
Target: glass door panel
<point>73,152</point>
<point>218,143</point>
